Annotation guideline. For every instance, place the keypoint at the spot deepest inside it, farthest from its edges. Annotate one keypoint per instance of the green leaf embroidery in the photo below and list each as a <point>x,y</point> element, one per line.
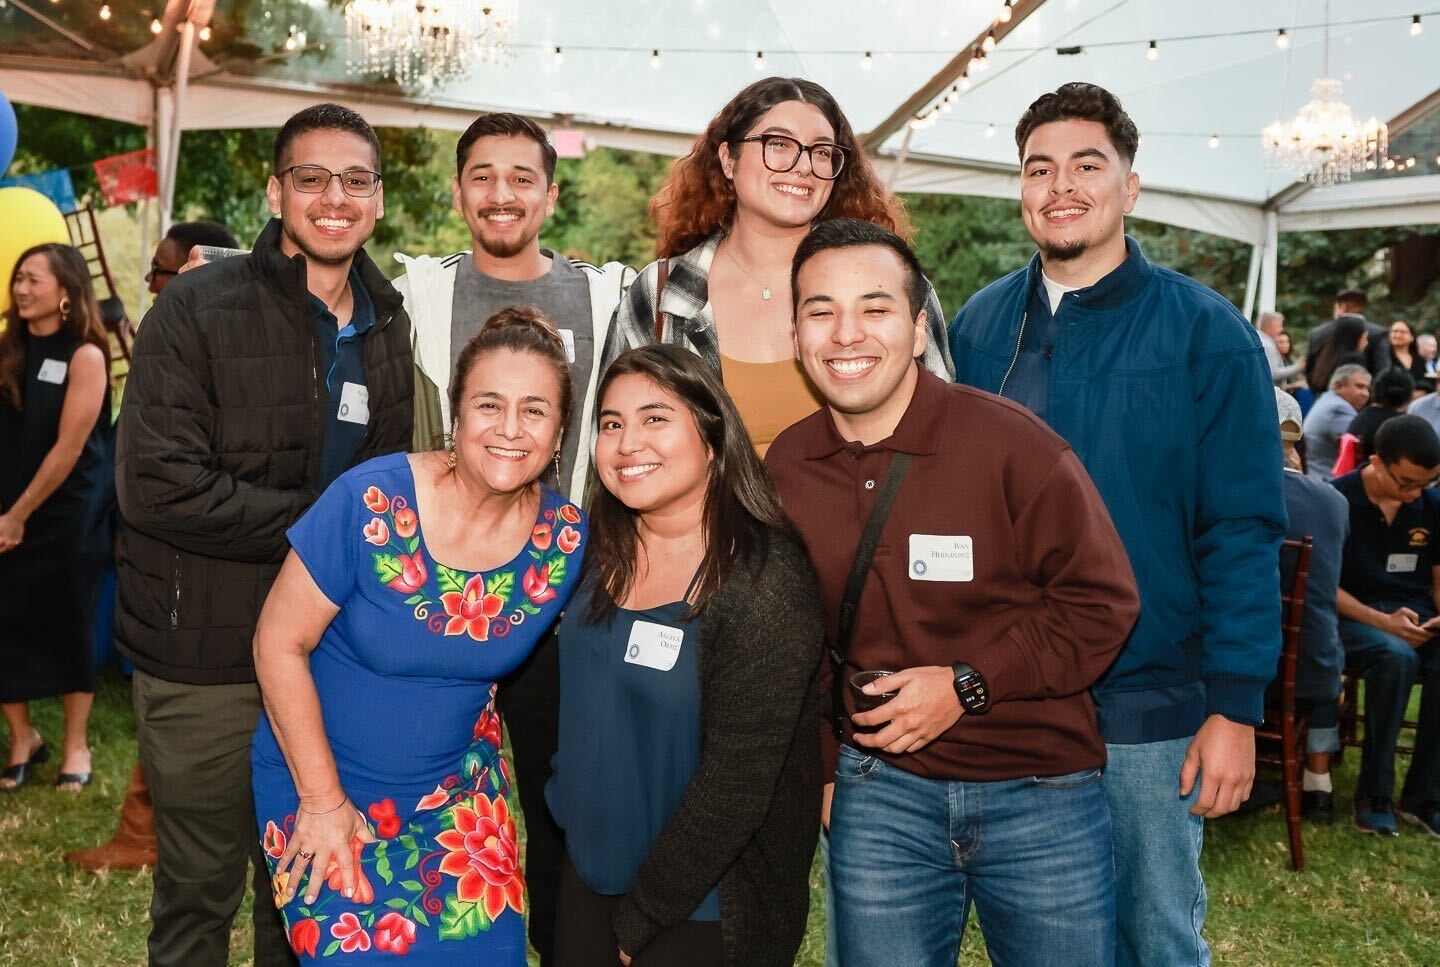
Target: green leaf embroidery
<point>370,919</point>
<point>418,915</point>
<point>412,860</point>
<point>415,599</point>
<point>334,946</point>
<point>382,869</point>
<point>501,583</point>
<point>557,569</point>
<point>412,885</point>
<point>382,847</point>
<point>407,841</point>
<point>397,903</point>
<point>414,543</point>
<point>387,567</point>
<point>450,580</point>
<point>537,555</point>
<point>529,608</point>
<point>461,920</point>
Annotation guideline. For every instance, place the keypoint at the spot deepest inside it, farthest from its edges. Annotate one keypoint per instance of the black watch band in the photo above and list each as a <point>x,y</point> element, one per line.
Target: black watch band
<point>970,689</point>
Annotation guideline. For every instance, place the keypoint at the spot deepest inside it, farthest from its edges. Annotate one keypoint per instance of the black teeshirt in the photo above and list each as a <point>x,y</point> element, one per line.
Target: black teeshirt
<point>1390,563</point>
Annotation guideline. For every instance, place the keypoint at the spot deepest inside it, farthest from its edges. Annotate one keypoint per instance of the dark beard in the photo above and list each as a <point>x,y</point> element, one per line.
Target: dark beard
<point>503,250</point>
<point>1066,252</point>
<point>317,257</point>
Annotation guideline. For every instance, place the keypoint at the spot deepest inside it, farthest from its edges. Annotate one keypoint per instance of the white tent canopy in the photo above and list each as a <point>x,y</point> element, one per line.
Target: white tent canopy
<point>1219,72</point>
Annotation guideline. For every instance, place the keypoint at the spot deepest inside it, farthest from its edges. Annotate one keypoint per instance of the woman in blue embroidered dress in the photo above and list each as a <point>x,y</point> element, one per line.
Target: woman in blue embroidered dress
<point>380,789</point>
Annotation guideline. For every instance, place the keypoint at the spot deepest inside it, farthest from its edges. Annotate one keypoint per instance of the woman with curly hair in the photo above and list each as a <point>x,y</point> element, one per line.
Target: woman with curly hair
<point>777,159</point>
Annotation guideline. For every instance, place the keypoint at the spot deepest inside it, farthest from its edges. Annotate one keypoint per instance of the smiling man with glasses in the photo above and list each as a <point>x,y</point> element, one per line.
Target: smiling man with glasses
<point>1389,600</point>
<point>257,380</point>
<point>174,249</point>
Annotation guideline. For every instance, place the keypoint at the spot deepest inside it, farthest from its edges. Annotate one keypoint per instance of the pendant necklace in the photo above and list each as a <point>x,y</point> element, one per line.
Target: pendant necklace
<point>764,286</point>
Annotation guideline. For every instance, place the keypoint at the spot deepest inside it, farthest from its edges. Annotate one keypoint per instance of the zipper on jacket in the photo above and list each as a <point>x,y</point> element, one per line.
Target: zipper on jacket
<point>1019,341</point>
<point>175,595</point>
<point>368,423</point>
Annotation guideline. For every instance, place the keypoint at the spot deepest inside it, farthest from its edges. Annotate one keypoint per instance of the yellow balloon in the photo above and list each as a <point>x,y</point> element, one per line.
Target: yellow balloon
<point>29,219</point>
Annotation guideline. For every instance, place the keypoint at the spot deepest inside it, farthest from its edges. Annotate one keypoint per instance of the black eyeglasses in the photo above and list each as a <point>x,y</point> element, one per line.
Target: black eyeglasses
<point>1404,487</point>
<point>782,153</point>
<point>313,180</point>
<point>155,270</point>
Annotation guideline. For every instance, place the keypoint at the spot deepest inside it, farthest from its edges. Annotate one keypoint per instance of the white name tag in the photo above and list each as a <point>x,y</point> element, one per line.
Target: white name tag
<point>654,646</point>
<point>567,336</point>
<point>940,557</point>
<point>1401,563</point>
<point>53,371</point>
<point>355,404</point>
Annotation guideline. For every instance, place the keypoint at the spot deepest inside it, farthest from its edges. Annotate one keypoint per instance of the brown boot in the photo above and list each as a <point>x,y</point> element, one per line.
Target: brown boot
<point>133,844</point>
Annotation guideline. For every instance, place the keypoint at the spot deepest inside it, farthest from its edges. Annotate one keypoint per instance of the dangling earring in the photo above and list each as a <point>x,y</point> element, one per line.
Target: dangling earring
<point>557,467</point>
<point>65,309</point>
<point>450,455</point>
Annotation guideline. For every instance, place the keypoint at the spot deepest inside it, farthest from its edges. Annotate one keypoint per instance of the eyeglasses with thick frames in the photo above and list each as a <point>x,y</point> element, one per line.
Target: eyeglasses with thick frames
<point>781,153</point>
<point>313,180</point>
<point>1409,488</point>
<point>155,270</point>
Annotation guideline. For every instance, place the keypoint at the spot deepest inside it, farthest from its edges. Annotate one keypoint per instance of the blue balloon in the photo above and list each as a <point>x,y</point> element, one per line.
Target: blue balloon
<point>9,133</point>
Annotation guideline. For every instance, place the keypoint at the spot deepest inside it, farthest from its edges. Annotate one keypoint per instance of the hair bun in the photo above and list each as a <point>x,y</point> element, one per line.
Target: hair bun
<point>525,317</point>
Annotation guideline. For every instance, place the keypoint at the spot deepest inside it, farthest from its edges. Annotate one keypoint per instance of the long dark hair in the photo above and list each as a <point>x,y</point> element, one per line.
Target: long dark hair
<point>1344,342</point>
<point>80,321</point>
<point>697,199</point>
<point>741,506</point>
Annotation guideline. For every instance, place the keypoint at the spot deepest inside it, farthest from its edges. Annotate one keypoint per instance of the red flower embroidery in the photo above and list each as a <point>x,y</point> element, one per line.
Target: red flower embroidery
<point>482,853</point>
<point>471,610</point>
<point>437,798</point>
<point>413,573</point>
<point>394,933</point>
<point>568,540</point>
<point>569,512</point>
<point>274,840</point>
<point>387,824</point>
<point>351,935</point>
<point>364,892</point>
<point>537,583</point>
<point>405,522</point>
<point>540,537</point>
<point>306,933</point>
<point>487,727</point>
<point>376,501</point>
<point>377,532</point>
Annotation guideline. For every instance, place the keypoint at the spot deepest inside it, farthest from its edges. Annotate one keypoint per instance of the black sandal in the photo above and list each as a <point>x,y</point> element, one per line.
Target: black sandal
<point>19,773</point>
<point>81,779</point>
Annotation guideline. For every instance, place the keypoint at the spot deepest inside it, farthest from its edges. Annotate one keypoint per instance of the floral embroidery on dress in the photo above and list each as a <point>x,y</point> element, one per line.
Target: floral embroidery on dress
<point>459,603</point>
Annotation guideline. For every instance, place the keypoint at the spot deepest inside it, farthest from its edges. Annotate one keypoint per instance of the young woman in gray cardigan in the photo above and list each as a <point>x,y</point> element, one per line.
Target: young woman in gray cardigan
<point>687,779</point>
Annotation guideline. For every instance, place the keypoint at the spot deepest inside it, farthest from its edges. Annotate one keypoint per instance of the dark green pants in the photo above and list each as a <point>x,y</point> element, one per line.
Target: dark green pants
<point>195,747</point>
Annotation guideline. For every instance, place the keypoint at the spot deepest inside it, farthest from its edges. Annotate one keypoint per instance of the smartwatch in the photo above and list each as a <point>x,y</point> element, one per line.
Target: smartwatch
<point>970,689</point>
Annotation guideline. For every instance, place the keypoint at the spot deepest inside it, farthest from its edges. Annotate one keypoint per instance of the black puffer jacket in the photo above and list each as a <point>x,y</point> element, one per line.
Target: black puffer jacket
<point>219,449</point>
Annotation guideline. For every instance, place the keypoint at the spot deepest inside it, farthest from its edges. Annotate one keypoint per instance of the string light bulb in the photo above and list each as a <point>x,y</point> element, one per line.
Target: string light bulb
<point>979,63</point>
<point>1006,12</point>
<point>867,61</point>
<point>156,26</point>
<point>964,82</point>
<point>559,56</point>
<point>655,60</point>
<point>204,33</point>
<point>953,94</point>
<point>1153,51</point>
<point>1416,27</point>
<point>104,11</point>
<point>988,44</point>
<point>990,130</point>
<point>1214,141</point>
<point>1282,39</point>
<point>759,60</point>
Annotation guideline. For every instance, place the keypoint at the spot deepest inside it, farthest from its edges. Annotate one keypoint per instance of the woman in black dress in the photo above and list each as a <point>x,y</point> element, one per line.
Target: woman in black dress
<point>54,428</point>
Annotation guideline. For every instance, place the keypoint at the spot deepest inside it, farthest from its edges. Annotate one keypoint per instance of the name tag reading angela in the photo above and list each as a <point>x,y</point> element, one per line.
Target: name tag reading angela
<point>1401,563</point>
<point>940,557</point>
<point>53,371</point>
<point>354,404</point>
<point>654,646</point>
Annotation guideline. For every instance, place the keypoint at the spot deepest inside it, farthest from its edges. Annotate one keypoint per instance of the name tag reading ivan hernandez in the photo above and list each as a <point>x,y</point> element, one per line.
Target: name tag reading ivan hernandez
<point>941,557</point>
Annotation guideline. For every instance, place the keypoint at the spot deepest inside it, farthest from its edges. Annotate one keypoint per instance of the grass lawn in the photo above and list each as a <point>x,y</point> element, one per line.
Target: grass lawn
<point>1361,901</point>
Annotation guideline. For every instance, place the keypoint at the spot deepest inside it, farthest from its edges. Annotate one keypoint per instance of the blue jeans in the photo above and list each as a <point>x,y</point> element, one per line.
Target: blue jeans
<point>1391,666</point>
<point>908,855</point>
<point>1159,894</point>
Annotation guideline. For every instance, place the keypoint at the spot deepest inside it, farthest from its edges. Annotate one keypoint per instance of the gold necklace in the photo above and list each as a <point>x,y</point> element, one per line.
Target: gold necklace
<point>764,286</point>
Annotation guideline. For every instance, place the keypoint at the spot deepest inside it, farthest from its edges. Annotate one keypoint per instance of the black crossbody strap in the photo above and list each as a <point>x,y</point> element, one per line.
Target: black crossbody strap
<point>855,583</point>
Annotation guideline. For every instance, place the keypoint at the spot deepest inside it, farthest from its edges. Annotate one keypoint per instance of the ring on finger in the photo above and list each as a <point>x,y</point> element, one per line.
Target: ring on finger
<point>307,854</point>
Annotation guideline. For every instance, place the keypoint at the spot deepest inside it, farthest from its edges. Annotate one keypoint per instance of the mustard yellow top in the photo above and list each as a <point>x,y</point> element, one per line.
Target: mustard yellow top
<point>769,396</point>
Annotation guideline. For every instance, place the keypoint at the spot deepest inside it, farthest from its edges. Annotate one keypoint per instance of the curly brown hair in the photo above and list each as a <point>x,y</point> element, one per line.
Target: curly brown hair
<point>697,199</point>
<point>1078,101</point>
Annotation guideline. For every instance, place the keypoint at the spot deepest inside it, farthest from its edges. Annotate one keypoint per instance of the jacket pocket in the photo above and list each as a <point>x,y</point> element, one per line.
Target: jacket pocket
<point>175,576</point>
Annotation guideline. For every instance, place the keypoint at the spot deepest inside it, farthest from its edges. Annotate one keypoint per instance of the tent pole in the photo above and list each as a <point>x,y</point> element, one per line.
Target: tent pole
<point>1252,280</point>
<point>172,135</point>
<point>1270,263</point>
<point>899,161</point>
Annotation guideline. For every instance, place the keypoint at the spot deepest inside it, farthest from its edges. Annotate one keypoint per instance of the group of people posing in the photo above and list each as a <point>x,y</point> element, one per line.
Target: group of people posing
<point>746,550</point>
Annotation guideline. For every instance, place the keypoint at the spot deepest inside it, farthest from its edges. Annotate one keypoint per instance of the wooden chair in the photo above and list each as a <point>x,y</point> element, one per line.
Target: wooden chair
<point>1285,726</point>
<point>1352,715</point>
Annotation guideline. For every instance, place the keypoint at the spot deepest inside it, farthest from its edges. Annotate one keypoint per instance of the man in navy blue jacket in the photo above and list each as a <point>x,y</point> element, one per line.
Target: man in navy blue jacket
<point>1163,391</point>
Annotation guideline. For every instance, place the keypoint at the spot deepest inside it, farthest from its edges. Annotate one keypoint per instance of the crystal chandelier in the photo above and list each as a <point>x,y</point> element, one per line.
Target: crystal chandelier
<point>1325,143</point>
<point>425,43</point>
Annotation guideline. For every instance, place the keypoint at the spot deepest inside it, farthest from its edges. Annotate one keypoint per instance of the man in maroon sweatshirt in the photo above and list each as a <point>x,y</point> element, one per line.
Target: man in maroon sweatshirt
<point>999,591</point>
